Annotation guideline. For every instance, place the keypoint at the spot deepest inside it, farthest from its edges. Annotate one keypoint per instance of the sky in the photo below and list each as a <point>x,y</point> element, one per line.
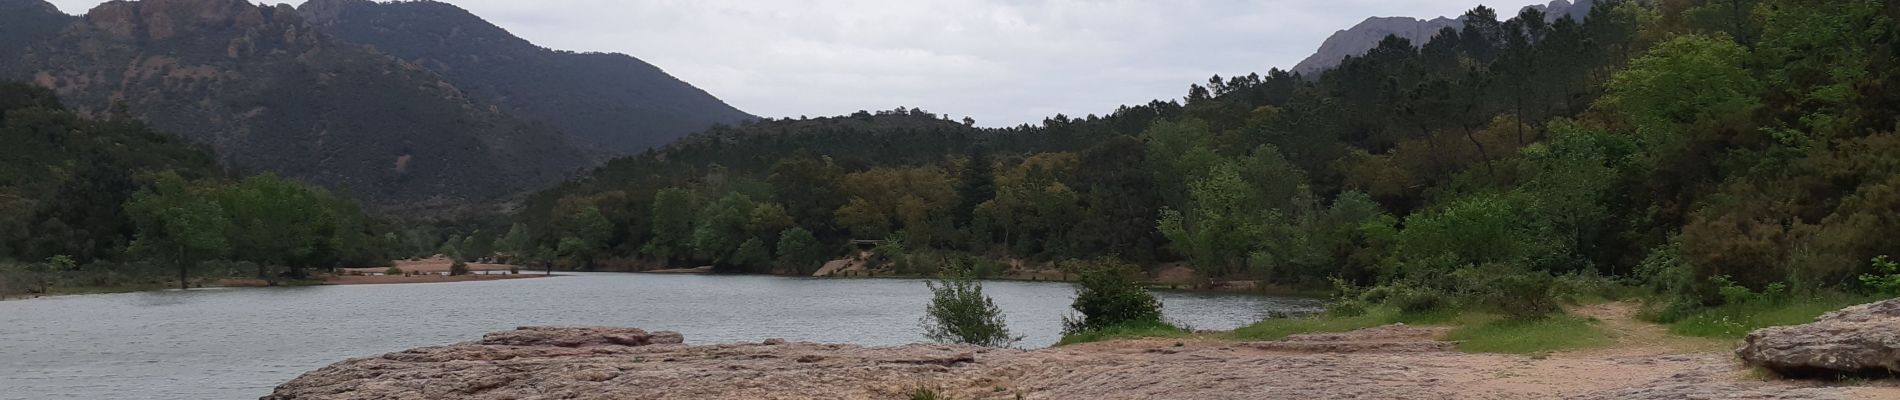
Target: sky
<point>1002,62</point>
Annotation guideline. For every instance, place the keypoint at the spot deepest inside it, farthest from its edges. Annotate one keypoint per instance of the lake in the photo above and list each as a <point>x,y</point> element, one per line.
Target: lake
<point>238,343</point>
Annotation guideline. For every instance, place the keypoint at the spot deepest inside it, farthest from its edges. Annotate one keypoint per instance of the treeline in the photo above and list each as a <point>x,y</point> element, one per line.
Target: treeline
<point>1693,146</point>
<point>109,202</point>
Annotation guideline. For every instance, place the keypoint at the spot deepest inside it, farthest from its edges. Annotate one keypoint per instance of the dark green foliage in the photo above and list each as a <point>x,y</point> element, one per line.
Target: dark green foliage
<point>959,312</point>
<point>1107,296</point>
<point>801,252</point>
<point>1506,165</point>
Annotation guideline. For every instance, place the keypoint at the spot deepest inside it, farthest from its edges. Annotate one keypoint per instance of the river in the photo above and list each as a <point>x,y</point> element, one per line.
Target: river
<point>238,343</point>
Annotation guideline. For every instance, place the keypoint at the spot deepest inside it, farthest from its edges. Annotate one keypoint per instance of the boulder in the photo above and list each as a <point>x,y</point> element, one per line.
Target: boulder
<point>1863,339</point>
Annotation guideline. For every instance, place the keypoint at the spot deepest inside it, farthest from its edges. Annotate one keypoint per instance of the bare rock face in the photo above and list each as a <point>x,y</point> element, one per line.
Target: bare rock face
<point>1393,362</point>
<point>1854,340</point>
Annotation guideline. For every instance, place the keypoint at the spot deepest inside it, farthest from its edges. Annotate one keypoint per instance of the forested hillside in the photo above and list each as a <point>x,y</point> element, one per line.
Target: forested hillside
<point>1693,146</point>
<point>612,103</point>
<point>101,202</point>
<point>267,90</point>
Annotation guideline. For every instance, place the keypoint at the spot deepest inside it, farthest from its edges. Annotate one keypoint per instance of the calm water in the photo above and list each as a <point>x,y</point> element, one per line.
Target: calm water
<point>239,343</point>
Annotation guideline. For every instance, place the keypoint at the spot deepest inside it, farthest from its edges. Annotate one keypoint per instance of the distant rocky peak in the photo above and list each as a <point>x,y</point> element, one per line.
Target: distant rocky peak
<point>1367,34</point>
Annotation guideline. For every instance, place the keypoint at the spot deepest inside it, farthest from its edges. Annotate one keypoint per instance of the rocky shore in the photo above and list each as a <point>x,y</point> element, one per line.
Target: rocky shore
<point>1394,362</point>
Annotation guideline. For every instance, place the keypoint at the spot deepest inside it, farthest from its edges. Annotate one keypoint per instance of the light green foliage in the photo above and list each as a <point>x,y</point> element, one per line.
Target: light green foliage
<point>516,244</point>
<point>179,225</point>
<point>278,223</point>
<point>1471,231</point>
<point>1886,280</point>
<point>1681,81</point>
<point>1124,331</point>
<point>672,225</point>
<point>1222,228</point>
<point>959,312</point>
<point>1106,297</point>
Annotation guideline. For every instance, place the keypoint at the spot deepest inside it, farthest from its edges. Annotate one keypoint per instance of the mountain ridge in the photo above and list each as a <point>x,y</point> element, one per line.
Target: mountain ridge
<point>267,90</point>
<point>610,101</point>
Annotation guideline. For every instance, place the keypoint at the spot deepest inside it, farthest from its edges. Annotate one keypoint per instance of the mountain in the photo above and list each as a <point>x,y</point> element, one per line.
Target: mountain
<point>268,90</point>
<point>1366,35</point>
<point>612,102</point>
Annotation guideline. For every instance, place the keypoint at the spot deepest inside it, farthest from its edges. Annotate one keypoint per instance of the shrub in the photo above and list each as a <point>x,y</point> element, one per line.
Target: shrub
<point>959,312</point>
<point>458,268</point>
<point>393,271</point>
<point>1105,297</point>
<point>1887,281</point>
<point>1519,295</point>
<point>1413,300</point>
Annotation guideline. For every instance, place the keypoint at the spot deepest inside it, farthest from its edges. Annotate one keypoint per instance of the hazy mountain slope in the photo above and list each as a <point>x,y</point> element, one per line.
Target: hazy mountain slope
<point>612,102</point>
<point>269,91</point>
<point>1366,35</point>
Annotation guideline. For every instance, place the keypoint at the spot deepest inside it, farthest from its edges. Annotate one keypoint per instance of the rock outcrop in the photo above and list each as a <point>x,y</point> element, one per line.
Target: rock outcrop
<point>1863,339</point>
<point>1365,36</point>
<point>621,363</point>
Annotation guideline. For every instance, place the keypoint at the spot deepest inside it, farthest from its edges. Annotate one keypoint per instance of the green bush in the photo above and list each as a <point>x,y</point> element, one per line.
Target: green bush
<point>458,268</point>
<point>1519,295</point>
<point>1412,300</point>
<point>959,312</point>
<point>1886,281</point>
<point>393,271</point>
<point>1106,296</point>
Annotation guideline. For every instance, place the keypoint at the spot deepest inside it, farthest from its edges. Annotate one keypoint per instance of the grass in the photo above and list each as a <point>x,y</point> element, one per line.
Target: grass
<point>1735,321</point>
<point>1555,333</point>
<point>1126,331</point>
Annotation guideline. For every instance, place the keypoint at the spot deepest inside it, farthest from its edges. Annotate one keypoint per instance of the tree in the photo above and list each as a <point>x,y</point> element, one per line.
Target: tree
<point>959,312</point>
<point>799,250</point>
<point>587,234</point>
<point>516,244</point>
<point>278,223</point>
<point>721,229</point>
<point>1681,81</point>
<point>752,255</point>
<point>977,185</point>
<point>179,225</point>
<point>672,225</point>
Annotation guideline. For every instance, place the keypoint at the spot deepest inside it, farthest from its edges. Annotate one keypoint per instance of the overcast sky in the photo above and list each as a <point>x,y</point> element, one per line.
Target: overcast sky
<point>1003,62</point>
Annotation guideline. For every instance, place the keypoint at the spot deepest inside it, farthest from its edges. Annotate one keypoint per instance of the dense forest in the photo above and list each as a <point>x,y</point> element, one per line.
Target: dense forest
<point>1696,147</point>
<point>103,202</point>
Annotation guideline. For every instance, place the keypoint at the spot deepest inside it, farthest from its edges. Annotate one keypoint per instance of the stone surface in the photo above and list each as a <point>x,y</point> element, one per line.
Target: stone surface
<point>611,363</point>
<point>1863,339</point>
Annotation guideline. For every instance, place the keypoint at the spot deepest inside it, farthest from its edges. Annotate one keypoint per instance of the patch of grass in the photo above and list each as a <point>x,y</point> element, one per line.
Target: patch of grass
<point>1125,331</point>
<point>1555,333</point>
<point>1735,321</point>
<point>1278,328</point>
<point>924,393</point>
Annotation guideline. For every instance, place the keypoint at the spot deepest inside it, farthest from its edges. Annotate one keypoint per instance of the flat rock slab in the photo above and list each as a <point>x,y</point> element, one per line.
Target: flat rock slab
<point>622,363</point>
